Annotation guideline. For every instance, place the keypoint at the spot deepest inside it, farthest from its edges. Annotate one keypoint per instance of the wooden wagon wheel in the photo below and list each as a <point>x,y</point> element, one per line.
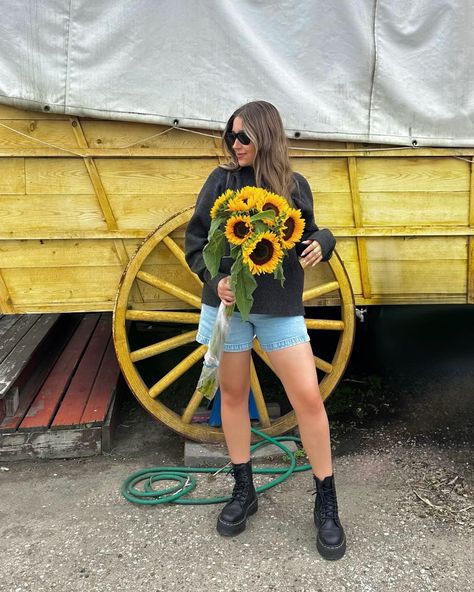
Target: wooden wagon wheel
<point>139,273</point>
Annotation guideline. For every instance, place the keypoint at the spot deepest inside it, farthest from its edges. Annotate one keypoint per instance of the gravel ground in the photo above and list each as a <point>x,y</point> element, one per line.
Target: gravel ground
<point>405,482</point>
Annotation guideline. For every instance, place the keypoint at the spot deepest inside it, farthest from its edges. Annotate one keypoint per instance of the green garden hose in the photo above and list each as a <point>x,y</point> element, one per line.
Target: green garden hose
<point>185,483</point>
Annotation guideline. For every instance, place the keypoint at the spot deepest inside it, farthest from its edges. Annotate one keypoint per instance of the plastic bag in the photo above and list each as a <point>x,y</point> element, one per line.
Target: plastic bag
<point>209,380</point>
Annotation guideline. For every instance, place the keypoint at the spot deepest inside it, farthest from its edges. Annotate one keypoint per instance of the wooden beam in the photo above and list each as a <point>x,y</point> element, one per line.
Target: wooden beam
<point>6,303</point>
<point>94,177</point>
<point>359,223</point>
<point>470,245</point>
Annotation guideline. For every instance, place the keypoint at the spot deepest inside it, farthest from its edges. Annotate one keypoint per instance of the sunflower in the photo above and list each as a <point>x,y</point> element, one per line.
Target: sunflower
<point>292,228</point>
<point>238,229</point>
<point>220,203</point>
<point>272,201</point>
<point>239,205</point>
<point>263,254</point>
<point>250,195</point>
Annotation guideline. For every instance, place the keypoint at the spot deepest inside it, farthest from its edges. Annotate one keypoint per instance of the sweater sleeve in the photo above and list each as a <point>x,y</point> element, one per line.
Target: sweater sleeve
<point>303,199</point>
<point>198,228</point>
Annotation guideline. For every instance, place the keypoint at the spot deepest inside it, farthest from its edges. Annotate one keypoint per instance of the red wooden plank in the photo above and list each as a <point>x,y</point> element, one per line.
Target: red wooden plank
<point>103,389</point>
<point>47,400</point>
<point>43,361</point>
<point>72,406</point>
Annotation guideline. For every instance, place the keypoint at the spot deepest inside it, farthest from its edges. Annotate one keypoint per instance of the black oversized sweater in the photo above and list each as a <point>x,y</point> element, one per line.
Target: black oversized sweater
<point>269,296</point>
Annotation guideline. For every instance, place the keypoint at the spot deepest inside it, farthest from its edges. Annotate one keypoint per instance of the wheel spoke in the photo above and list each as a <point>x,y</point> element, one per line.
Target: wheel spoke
<point>324,324</point>
<point>163,346</point>
<point>323,365</point>
<point>169,288</point>
<point>258,350</point>
<point>158,316</point>
<point>179,254</point>
<point>320,290</point>
<point>192,406</point>
<point>177,371</point>
<point>258,396</point>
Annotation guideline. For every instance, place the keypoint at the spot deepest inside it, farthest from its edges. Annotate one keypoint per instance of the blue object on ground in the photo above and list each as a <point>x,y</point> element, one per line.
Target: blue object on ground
<point>215,419</point>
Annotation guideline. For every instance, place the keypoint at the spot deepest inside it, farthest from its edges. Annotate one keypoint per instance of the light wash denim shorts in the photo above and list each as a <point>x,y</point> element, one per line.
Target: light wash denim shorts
<point>273,332</point>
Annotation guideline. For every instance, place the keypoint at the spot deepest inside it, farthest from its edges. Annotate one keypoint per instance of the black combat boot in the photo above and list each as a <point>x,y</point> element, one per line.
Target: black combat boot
<point>330,540</point>
<point>232,520</point>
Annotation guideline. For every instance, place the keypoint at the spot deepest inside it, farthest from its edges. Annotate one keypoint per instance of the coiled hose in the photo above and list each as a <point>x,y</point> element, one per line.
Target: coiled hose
<point>185,482</point>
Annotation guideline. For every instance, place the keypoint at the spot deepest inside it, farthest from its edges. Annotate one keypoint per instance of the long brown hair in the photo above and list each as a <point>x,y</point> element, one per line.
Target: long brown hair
<point>263,125</point>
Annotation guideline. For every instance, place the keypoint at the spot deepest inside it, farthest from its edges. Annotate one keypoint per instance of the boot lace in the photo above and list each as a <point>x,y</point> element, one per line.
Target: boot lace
<point>326,503</point>
<point>241,487</point>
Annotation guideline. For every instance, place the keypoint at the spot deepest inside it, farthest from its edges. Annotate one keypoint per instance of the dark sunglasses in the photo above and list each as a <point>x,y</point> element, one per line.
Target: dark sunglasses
<point>241,136</point>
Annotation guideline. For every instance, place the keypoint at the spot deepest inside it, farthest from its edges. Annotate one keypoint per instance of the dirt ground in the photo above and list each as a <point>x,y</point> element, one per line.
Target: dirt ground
<point>402,425</point>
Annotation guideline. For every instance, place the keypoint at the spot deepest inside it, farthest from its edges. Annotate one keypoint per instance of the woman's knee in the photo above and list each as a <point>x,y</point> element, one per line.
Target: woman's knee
<point>234,398</point>
<point>308,403</point>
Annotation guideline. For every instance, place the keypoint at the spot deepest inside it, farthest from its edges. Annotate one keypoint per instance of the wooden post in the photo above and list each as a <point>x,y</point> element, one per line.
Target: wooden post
<point>358,223</point>
<point>470,240</point>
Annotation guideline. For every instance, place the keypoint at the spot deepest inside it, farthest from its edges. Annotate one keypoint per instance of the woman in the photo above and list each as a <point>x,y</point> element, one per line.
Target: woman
<point>255,142</point>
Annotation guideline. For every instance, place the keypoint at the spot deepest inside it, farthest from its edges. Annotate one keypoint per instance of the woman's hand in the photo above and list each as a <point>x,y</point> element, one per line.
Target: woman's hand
<point>224,292</point>
<point>312,254</point>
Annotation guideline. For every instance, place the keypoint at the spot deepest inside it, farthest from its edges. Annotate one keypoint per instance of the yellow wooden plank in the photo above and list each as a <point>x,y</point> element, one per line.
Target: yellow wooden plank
<point>43,214</point>
<point>324,175</point>
<point>333,208</point>
<point>419,298</point>
<point>411,277</point>
<point>413,174</point>
<point>432,230</point>
<point>64,285</point>
<point>415,207</point>
<point>117,134</point>
<point>27,132</point>
<point>149,210</point>
<point>12,176</point>
<point>417,249</point>
<point>67,306</point>
<point>57,175</point>
<point>347,249</point>
<point>57,254</point>
<point>167,176</point>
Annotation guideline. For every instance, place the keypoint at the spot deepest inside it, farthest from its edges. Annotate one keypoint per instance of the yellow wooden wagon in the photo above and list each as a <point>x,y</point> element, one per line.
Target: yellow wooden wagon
<point>93,216</point>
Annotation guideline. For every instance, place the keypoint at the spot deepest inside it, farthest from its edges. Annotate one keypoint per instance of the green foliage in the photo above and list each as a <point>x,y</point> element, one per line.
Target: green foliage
<point>243,285</point>
<point>214,250</point>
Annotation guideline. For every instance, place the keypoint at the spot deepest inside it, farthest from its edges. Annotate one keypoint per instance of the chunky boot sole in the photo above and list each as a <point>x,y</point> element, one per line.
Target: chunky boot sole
<point>230,529</point>
<point>331,552</point>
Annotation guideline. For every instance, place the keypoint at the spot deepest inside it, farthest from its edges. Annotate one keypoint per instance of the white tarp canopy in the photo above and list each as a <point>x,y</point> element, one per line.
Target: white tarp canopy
<point>390,71</point>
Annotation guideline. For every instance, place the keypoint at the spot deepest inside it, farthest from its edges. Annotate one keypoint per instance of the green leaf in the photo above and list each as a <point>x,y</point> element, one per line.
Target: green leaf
<point>215,225</point>
<point>214,251</point>
<point>235,251</point>
<point>260,226</point>
<point>268,214</point>
<point>243,285</point>
<point>278,274</point>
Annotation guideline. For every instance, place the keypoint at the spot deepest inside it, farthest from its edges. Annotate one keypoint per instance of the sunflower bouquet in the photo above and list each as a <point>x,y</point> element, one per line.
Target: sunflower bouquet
<point>260,227</point>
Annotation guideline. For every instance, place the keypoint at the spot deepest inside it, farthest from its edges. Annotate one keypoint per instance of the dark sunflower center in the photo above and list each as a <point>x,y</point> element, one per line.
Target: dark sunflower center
<point>263,252</point>
<point>270,206</point>
<point>289,228</point>
<point>241,229</point>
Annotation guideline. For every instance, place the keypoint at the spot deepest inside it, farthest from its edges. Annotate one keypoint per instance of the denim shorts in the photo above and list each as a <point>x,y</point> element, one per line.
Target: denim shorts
<point>273,332</point>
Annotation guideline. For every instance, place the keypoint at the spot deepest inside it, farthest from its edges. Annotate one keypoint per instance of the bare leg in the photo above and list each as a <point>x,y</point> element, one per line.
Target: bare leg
<point>234,382</point>
<point>295,368</point>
